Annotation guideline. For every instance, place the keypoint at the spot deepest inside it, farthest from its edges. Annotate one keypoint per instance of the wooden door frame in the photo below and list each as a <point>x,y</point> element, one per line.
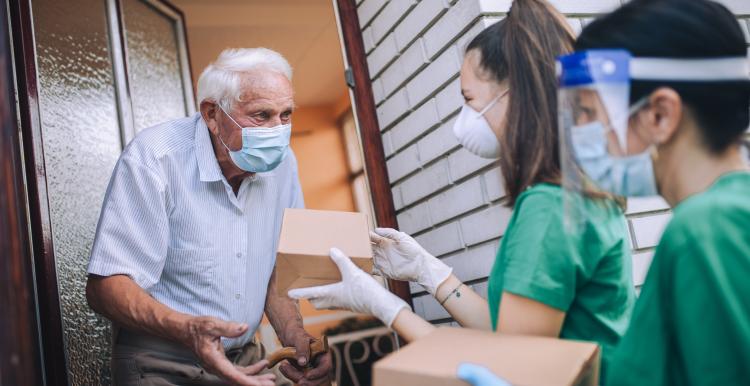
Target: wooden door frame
<point>32,258</point>
<point>47,294</point>
<point>366,114</point>
<point>20,353</point>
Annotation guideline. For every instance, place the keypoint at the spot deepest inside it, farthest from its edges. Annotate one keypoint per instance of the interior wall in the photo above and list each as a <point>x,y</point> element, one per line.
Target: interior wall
<point>318,144</point>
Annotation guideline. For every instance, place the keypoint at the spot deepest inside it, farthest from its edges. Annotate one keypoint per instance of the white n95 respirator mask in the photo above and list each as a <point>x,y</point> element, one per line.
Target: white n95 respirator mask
<point>474,132</point>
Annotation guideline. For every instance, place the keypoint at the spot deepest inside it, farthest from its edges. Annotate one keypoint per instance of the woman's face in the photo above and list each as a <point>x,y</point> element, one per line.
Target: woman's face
<point>589,107</point>
<point>479,89</point>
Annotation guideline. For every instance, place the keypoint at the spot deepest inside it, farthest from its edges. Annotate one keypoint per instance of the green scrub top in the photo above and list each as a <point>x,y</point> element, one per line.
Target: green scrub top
<point>691,324</point>
<point>588,276</point>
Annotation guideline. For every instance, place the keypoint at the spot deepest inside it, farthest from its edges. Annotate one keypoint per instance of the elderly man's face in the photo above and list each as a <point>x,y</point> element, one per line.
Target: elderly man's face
<point>267,100</point>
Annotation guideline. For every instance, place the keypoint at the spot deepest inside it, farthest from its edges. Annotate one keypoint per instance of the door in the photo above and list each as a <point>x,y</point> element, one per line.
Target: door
<point>94,73</point>
<point>358,78</point>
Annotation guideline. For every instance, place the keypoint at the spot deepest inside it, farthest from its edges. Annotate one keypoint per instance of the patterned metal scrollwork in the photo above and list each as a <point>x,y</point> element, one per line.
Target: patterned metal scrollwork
<point>354,354</point>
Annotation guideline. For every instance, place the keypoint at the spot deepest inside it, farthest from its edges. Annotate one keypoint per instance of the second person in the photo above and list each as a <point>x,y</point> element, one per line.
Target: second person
<point>544,281</point>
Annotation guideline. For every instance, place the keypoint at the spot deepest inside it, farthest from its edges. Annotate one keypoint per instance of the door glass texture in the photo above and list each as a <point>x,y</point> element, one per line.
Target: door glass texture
<point>154,70</point>
<point>81,138</point>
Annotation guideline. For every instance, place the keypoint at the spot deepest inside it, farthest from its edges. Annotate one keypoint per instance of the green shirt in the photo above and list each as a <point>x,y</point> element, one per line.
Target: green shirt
<point>587,275</point>
<point>691,324</point>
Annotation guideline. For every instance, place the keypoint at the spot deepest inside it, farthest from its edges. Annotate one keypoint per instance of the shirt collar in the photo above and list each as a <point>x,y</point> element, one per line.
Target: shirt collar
<point>204,152</point>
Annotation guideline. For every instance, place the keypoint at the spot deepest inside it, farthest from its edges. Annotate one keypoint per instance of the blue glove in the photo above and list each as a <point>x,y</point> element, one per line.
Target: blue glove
<point>479,376</point>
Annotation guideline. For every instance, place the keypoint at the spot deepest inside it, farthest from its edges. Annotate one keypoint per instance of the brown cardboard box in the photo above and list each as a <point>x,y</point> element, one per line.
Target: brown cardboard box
<point>520,360</point>
<point>306,238</point>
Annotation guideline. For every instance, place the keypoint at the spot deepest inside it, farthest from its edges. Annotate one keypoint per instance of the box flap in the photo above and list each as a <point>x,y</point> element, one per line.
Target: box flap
<point>521,360</point>
<point>286,274</point>
<point>315,232</point>
<point>300,271</point>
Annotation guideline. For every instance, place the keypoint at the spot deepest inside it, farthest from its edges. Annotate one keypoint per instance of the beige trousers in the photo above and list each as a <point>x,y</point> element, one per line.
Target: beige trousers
<point>142,360</point>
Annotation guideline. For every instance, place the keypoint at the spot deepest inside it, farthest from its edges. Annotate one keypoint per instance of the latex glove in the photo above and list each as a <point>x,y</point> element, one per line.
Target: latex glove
<point>398,256</point>
<point>357,291</point>
<point>477,375</point>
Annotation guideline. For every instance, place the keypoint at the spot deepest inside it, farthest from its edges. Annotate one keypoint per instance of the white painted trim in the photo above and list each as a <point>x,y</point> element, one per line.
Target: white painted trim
<point>122,88</point>
<point>728,69</point>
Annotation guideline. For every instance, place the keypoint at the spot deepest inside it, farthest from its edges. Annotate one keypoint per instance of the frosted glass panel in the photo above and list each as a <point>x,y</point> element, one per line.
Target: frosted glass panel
<point>153,64</point>
<point>81,145</point>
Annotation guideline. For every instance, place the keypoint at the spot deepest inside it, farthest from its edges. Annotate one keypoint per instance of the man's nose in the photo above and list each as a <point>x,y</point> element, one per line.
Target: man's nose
<point>274,121</point>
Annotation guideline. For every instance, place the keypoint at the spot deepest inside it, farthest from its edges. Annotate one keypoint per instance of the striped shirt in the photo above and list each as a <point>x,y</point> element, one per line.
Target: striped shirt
<point>172,223</point>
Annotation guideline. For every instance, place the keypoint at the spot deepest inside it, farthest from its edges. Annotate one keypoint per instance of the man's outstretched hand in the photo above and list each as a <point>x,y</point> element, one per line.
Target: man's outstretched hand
<point>202,334</point>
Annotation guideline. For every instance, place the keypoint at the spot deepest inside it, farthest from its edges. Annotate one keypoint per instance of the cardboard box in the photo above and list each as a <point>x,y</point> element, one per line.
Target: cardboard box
<point>520,360</point>
<point>306,238</point>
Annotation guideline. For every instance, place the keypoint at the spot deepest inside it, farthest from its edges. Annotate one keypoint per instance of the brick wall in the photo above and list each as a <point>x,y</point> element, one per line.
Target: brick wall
<point>447,198</point>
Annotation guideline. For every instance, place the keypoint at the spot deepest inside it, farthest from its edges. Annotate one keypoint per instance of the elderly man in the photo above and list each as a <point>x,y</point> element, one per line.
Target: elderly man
<point>183,259</point>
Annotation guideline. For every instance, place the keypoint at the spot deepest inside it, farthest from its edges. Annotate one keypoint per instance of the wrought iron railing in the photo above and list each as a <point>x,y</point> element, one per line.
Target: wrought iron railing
<point>355,352</point>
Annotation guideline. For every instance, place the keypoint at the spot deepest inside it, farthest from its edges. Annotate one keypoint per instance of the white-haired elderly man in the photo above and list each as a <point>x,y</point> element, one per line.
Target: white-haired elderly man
<point>183,259</point>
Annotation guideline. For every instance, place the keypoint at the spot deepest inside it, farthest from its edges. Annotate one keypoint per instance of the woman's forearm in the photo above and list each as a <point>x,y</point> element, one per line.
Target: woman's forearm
<point>465,306</point>
<point>469,309</point>
<point>411,326</point>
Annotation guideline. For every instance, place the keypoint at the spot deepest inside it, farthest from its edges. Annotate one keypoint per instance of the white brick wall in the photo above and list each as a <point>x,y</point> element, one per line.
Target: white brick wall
<point>444,196</point>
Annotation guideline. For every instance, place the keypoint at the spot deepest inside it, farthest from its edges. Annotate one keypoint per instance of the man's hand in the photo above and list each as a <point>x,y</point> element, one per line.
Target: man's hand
<point>121,300</point>
<point>318,373</point>
<point>202,334</point>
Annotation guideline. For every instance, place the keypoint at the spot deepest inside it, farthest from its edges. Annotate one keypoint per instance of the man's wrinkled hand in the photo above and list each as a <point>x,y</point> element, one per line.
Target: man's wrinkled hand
<point>203,336</point>
<point>318,373</point>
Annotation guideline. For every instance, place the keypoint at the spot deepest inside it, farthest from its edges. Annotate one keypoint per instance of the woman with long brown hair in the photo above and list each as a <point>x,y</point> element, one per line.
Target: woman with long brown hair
<point>544,282</point>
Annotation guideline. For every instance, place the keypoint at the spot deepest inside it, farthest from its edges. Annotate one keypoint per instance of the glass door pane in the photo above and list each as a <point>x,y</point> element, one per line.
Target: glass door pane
<point>154,70</point>
<point>81,137</point>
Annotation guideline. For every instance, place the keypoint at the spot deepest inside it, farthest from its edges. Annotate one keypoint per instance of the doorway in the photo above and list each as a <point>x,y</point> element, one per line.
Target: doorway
<point>324,128</point>
<point>90,74</point>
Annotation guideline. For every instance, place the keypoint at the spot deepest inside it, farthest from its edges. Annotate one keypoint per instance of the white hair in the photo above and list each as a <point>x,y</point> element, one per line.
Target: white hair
<point>221,82</point>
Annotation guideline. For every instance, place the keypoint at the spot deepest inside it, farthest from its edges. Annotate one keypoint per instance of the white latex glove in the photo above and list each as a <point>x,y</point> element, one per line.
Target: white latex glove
<point>398,256</point>
<point>357,291</point>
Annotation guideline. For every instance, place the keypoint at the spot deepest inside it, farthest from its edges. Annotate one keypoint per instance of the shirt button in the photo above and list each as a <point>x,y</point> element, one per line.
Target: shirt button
<point>237,296</point>
<point>239,255</point>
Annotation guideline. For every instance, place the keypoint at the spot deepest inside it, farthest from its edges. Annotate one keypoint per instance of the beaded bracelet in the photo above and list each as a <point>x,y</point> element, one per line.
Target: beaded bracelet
<point>455,291</point>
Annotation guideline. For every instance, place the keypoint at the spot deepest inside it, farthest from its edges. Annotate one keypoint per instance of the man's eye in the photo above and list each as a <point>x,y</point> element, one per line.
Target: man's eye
<point>263,115</point>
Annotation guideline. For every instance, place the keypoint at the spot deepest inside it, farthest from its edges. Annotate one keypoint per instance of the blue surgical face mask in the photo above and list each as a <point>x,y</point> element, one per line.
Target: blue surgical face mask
<point>263,148</point>
<point>629,176</point>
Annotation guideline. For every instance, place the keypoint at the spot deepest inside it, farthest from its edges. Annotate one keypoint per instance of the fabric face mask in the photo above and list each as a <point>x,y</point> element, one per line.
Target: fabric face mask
<point>263,148</point>
<point>624,176</point>
<point>475,134</point>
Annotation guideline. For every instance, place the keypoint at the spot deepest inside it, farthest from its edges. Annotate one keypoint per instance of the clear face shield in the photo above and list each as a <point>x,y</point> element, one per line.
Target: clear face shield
<point>604,148</point>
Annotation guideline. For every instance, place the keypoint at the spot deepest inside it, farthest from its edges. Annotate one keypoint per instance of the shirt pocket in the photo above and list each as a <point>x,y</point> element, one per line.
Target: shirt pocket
<point>191,269</point>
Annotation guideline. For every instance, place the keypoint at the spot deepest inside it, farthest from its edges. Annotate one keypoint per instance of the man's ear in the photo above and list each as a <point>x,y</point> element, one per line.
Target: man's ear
<point>665,114</point>
<point>209,112</point>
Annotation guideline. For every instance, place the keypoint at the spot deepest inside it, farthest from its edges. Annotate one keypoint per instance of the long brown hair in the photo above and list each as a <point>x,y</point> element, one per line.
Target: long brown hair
<point>523,48</point>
